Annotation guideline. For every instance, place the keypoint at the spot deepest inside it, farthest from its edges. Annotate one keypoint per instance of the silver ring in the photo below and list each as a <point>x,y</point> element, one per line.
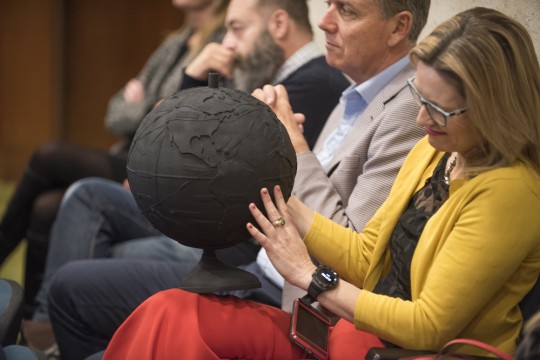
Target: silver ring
<point>279,222</point>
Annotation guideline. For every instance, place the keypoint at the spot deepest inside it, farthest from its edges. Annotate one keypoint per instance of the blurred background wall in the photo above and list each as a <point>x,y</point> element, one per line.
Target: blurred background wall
<point>61,60</point>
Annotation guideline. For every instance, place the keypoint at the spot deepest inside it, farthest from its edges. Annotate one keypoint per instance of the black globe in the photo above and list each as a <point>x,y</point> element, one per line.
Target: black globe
<point>200,157</point>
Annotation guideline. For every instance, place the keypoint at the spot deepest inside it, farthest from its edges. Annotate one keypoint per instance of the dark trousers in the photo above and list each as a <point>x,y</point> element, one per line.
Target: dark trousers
<point>89,299</point>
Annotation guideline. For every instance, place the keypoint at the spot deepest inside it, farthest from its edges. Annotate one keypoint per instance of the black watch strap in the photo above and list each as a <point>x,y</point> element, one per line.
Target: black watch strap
<point>324,278</point>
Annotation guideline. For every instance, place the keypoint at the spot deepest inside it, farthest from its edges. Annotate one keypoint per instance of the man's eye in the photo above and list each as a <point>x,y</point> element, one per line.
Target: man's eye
<point>237,30</point>
<point>346,11</point>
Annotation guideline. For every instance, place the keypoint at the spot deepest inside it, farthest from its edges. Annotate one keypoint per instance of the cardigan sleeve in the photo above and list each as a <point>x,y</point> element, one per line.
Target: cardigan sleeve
<point>352,254</point>
<point>345,250</point>
<point>352,192</point>
<point>476,259</point>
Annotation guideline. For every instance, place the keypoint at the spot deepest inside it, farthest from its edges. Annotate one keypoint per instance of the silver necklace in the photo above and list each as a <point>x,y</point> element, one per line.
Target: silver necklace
<point>449,170</point>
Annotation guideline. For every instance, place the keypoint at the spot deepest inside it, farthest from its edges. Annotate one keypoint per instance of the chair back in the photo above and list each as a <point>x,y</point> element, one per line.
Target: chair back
<point>530,304</point>
<point>20,352</point>
<point>11,311</point>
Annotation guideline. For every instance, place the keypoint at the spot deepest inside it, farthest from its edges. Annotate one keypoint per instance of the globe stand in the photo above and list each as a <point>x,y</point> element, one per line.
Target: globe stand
<point>212,275</point>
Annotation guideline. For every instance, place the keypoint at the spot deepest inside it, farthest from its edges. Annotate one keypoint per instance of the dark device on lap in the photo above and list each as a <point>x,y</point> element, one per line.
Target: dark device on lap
<point>310,329</point>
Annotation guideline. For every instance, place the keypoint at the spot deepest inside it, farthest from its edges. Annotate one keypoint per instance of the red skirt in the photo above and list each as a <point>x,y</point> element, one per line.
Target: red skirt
<point>176,324</point>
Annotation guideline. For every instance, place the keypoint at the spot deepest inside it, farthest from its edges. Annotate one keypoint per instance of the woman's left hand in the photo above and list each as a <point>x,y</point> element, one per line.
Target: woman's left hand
<point>281,240</point>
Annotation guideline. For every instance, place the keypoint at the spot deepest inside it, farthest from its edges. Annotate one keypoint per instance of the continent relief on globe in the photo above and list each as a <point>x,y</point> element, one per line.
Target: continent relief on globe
<point>200,157</point>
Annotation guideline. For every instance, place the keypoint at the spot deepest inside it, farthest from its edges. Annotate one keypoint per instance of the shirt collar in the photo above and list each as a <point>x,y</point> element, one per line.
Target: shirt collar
<point>305,54</point>
<point>371,87</point>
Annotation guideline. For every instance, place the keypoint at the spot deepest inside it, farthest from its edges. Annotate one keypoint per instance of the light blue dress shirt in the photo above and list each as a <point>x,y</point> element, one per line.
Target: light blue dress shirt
<point>355,99</point>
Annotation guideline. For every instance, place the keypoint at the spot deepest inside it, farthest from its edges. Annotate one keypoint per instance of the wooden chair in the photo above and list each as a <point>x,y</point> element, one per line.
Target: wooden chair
<point>11,311</point>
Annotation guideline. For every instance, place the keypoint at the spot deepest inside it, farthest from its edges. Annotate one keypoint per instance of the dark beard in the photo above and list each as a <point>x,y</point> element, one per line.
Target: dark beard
<point>259,67</point>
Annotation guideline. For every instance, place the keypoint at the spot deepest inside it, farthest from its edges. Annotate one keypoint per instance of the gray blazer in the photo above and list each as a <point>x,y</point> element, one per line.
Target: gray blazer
<point>161,76</point>
<point>365,165</point>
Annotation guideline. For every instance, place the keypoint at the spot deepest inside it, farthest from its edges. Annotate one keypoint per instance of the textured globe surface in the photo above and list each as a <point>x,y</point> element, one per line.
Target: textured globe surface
<point>200,157</point>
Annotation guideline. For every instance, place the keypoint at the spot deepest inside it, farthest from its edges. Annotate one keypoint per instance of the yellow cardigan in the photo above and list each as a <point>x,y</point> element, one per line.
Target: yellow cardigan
<point>475,260</point>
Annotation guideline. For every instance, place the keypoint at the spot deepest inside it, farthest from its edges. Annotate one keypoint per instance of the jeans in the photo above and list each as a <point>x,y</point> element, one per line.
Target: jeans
<point>87,300</point>
<point>90,299</point>
<point>99,218</point>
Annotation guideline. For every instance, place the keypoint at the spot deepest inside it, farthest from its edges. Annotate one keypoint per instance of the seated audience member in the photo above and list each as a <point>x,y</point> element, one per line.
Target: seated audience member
<point>422,271</point>
<point>271,42</point>
<point>54,166</point>
<point>363,170</point>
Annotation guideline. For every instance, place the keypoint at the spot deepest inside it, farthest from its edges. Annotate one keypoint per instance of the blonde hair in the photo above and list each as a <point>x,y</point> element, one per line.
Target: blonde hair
<point>491,59</point>
<point>215,25</point>
<point>213,30</point>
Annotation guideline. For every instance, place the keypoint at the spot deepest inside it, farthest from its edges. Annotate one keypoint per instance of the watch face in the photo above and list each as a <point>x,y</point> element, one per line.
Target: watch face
<point>326,276</point>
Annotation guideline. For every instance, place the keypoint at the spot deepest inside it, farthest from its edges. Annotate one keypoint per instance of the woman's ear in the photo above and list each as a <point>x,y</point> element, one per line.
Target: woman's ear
<point>278,24</point>
<point>402,25</point>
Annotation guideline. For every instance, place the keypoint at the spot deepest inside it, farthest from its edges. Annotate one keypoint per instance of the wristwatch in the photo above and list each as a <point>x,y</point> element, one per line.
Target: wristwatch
<point>324,278</point>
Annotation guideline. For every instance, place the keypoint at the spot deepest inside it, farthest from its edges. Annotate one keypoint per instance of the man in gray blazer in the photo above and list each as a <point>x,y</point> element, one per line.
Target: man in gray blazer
<point>352,185</point>
<point>346,177</point>
<point>352,167</point>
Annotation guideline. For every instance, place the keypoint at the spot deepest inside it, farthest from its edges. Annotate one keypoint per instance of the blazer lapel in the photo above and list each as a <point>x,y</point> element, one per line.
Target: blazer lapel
<point>373,110</point>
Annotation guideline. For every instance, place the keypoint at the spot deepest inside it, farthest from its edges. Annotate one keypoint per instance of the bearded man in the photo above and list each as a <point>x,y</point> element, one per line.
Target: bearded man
<point>271,42</point>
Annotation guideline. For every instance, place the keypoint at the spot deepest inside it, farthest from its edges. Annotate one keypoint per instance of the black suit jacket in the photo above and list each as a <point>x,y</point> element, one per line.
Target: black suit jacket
<point>314,90</point>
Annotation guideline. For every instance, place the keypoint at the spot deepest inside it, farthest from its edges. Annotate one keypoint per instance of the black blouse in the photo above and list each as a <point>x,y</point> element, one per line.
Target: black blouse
<point>424,203</point>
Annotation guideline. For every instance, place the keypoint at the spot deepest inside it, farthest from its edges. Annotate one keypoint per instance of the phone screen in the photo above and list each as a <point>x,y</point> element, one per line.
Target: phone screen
<point>310,329</point>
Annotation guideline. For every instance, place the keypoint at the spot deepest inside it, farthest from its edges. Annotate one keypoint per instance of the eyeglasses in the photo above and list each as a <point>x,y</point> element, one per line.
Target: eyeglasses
<point>436,113</point>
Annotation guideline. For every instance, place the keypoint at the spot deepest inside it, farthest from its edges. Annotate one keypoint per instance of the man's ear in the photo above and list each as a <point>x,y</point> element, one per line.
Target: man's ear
<point>278,24</point>
<point>402,23</point>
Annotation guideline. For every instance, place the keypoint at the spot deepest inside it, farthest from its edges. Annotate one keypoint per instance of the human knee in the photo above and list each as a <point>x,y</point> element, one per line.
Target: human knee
<point>87,192</point>
<point>66,283</point>
<point>44,210</point>
<point>46,155</point>
<point>80,189</point>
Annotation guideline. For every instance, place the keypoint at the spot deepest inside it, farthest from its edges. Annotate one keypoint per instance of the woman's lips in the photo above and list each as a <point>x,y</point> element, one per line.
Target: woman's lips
<point>433,132</point>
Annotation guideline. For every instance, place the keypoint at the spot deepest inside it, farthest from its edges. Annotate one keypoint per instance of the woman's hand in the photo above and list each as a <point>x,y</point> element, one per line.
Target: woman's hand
<point>282,242</point>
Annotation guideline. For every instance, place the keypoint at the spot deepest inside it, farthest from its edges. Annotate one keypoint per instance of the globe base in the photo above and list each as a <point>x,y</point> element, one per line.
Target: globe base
<point>212,275</point>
